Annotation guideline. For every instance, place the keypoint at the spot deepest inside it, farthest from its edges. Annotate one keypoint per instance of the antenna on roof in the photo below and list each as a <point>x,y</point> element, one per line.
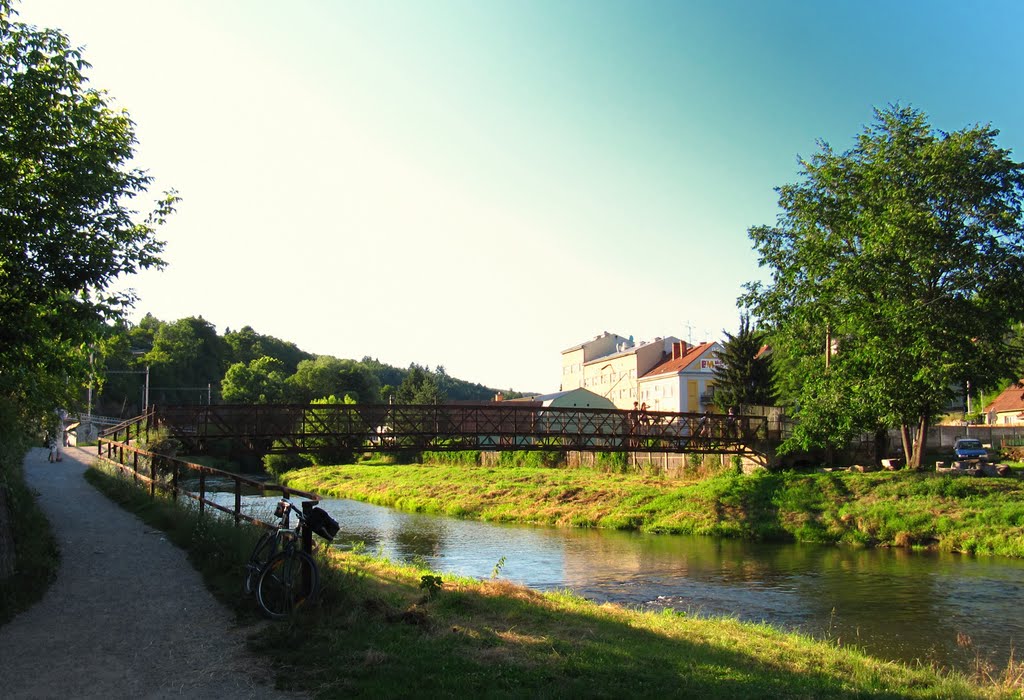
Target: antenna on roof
<point>689,331</point>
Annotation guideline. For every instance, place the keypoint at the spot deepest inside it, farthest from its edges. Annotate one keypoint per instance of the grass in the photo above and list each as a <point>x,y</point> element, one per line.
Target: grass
<point>36,555</point>
<point>895,509</point>
<point>381,629</point>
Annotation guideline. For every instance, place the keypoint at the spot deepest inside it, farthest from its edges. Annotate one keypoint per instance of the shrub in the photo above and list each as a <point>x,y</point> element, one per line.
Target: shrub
<point>278,464</point>
<point>612,462</point>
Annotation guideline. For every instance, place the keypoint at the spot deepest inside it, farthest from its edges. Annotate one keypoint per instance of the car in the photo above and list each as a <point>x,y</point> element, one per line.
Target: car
<point>970,448</point>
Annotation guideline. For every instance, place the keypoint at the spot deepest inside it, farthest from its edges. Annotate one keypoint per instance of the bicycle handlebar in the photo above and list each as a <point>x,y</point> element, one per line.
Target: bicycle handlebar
<point>284,506</point>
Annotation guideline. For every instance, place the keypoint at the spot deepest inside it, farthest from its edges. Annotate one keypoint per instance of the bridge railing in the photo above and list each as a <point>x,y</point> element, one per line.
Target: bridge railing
<point>449,427</point>
<point>165,474</point>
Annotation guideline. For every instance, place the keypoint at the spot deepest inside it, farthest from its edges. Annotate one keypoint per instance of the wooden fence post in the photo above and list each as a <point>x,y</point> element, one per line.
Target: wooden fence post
<point>174,479</point>
<point>307,544</point>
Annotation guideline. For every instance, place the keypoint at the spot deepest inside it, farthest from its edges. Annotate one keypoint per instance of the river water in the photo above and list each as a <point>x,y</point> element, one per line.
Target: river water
<point>892,603</point>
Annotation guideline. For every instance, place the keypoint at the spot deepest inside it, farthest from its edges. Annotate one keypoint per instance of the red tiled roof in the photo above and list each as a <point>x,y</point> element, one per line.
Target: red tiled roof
<point>1012,399</point>
<point>673,366</point>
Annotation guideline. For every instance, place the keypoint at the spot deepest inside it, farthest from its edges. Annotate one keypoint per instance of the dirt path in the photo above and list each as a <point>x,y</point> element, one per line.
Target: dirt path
<point>127,617</point>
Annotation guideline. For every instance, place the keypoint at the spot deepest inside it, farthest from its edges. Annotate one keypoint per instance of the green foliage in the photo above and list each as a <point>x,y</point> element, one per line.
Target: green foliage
<point>431,585</point>
<point>895,276</point>
<point>67,232</point>
<point>328,376</point>
<point>419,387</point>
<point>161,442</point>
<point>743,375</point>
<point>465,457</point>
<point>530,459</point>
<point>187,357</point>
<point>278,464</point>
<point>182,355</point>
<point>262,381</point>
<point>612,461</point>
<point>36,555</point>
<point>496,571</point>
<point>326,450</point>
<point>246,345</point>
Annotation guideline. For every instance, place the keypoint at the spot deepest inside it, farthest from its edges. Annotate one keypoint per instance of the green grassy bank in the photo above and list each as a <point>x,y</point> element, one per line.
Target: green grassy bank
<point>384,630</point>
<point>902,509</point>
<point>33,552</point>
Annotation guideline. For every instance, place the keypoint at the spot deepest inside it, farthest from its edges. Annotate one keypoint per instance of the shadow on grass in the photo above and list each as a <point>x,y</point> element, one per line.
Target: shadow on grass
<point>377,632</point>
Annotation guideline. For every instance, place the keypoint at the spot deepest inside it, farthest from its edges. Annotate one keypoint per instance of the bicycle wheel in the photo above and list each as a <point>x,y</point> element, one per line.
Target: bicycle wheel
<point>261,554</point>
<point>282,586</point>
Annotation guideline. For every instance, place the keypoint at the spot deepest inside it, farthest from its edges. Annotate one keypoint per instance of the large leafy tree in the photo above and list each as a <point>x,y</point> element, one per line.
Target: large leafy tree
<point>743,375</point>
<point>261,381</point>
<point>329,376</point>
<point>187,357</point>
<point>246,345</point>
<point>67,227</point>
<point>896,274</point>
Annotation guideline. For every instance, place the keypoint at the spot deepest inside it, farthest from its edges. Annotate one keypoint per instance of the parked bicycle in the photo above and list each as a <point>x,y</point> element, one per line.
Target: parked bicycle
<point>281,574</point>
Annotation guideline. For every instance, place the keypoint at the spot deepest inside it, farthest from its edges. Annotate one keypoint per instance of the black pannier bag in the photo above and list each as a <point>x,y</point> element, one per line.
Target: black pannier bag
<point>322,523</point>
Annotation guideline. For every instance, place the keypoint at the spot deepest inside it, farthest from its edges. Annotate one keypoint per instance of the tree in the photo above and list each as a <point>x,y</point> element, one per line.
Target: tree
<point>329,376</point>
<point>187,355</point>
<point>262,381</point>
<point>419,387</point>
<point>247,345</point>
<point>67,231</point>
<point>895,274</point>
<point>743,374</point>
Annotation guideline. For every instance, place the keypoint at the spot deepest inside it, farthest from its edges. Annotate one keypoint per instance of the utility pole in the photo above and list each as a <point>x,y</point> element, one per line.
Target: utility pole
<point>828,345</point>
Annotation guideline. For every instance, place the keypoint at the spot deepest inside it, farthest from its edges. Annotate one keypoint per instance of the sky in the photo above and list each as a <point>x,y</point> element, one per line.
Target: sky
<point>480,185</point>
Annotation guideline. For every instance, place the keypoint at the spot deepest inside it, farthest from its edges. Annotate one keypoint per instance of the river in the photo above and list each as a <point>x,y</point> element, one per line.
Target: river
<point>892,603</point>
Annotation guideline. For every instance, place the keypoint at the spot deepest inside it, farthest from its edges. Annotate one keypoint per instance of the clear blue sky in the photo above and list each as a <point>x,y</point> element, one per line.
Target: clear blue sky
<point>482,184</point>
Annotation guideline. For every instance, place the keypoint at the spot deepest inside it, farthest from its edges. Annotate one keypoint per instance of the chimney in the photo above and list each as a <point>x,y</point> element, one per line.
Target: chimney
<point>678,349</point>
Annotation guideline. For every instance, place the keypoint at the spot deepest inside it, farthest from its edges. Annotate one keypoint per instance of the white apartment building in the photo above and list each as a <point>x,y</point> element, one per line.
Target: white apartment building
<point>667,374</point>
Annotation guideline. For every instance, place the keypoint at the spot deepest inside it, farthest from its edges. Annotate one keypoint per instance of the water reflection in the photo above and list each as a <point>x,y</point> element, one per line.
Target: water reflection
<point>892,603</point>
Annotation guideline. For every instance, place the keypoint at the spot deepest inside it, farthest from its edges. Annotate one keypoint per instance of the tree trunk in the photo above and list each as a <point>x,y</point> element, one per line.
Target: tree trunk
<point>919,443</point>
<point>907,445</point>
<point>881,446</point>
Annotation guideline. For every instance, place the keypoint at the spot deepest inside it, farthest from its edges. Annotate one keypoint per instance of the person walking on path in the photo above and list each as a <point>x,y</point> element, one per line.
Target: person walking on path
<point>127,616</point>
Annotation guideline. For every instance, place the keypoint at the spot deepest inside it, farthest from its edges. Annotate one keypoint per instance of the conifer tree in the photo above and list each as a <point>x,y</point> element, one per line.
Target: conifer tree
<point>743,375</point>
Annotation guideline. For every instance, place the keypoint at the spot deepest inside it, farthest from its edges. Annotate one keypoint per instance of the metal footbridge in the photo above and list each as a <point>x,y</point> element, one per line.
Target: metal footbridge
<point>459,426</point>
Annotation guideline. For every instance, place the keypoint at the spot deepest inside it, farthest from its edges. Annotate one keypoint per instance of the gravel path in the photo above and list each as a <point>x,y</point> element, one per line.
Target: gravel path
<point>127,617</point>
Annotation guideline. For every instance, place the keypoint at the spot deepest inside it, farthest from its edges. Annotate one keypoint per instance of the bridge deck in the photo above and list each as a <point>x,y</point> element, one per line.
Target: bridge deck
<point>450,427</point>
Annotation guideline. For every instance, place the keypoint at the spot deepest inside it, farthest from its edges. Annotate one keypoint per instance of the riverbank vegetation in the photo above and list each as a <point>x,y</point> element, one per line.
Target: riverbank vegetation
<point>29,556</point>
<point>894,509</point>
<point>381,629</point>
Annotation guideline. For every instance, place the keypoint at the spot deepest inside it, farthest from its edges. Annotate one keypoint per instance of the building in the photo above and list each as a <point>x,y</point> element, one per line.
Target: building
<point>1008,407</point>
<point>572,398</point>
<point>575,359</point>
<point>684,381</point>
<point>667,374</point>
<point>611,366</point>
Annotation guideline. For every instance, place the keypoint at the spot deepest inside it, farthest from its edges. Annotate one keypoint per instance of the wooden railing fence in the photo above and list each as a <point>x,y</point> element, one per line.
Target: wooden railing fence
<point>164,474</point>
